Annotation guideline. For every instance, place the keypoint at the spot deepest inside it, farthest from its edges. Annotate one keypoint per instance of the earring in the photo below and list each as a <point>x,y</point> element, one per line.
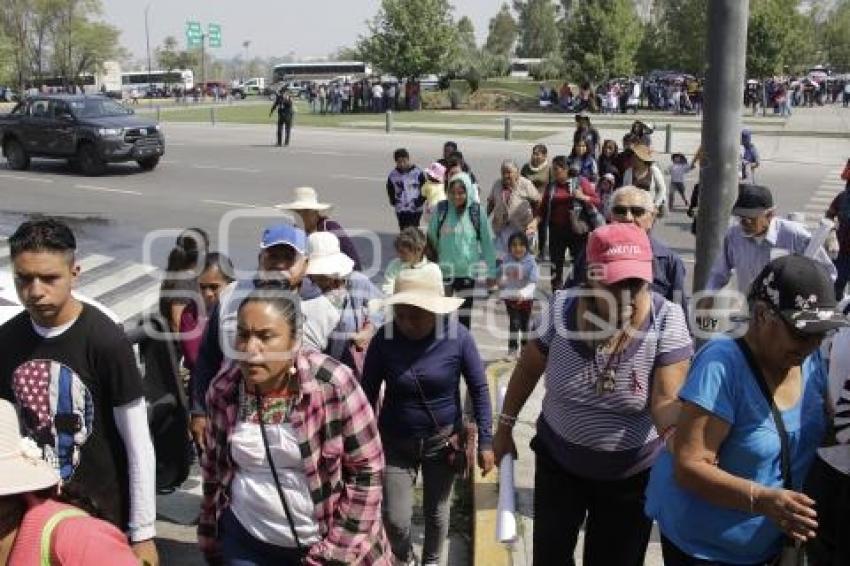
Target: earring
<point>293,370</point>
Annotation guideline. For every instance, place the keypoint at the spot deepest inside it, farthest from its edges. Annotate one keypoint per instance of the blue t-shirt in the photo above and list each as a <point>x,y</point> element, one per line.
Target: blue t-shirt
<point>720,381</point>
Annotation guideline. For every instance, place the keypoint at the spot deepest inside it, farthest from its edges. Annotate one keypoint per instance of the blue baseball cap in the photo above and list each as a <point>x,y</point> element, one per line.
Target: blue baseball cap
<point>284,234</point>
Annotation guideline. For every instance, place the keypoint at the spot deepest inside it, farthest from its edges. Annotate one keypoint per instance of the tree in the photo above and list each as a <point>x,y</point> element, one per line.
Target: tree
<point>346,54</point>
<point>466,34</point>
<point>502,33</point>
<point>411,39</point>
<point>539,35</point>
<point>777,37</point>
<point>836,40</point>
<point>602,39</point>
<point>684,25</point>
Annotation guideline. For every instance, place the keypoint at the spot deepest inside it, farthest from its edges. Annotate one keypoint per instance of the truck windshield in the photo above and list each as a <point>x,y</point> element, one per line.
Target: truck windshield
<point>97,108</point>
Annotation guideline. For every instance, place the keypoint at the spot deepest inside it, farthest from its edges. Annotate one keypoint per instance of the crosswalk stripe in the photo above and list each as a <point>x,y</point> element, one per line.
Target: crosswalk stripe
<point>138,303</point>
<point>116,279</point>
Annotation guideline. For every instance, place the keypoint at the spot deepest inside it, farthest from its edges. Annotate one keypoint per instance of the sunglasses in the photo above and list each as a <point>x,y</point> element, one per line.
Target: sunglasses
<point>637,211</point>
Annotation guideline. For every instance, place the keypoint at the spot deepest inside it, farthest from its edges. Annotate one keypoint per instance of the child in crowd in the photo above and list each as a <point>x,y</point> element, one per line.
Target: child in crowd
<point>605,189</point>
<point>410,247</point>
<point>677,170</point>
<point>518,283</point>
<point>434,189</point>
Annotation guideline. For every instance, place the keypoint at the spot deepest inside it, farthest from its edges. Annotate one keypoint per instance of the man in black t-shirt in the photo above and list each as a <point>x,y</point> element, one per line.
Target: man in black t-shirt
<point>72,375</point>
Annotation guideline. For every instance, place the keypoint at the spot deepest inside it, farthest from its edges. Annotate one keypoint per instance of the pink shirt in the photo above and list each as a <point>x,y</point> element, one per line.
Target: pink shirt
<point>77,541</point>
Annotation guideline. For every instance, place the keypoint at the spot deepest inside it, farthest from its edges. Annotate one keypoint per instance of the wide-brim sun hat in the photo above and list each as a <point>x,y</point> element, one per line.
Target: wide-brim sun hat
<point>304,198</point>
<point>324,256</point>
<point>422,289</point>
<point>643,153</point>
<point>21,468</point>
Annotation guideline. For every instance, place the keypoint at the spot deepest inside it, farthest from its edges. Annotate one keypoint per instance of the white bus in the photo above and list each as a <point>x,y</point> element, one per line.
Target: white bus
<point>142,81</point>
<point>321,71</point>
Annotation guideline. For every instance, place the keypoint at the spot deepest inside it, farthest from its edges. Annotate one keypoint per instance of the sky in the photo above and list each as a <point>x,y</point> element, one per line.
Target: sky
<point>309,28</point>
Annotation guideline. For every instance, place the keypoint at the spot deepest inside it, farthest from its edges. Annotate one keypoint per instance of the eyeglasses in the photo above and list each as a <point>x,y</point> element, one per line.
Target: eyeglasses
<point>637,211</point>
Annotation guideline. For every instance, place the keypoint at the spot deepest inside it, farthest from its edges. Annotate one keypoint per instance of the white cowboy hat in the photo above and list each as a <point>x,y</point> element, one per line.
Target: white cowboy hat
<point>324,256</point>
<point>21,468</point>
<point>422,289</point>
<point>305,198</point>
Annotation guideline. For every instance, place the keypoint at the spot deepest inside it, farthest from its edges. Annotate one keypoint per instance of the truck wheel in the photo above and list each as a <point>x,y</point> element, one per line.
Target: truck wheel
<point>16,155</point>
<point>89,162</point>
<point>148,163</point>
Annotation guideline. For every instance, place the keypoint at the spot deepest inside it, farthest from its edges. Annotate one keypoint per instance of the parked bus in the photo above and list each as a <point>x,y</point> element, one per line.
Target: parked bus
<point>157,81</point>
<point>321,71</point>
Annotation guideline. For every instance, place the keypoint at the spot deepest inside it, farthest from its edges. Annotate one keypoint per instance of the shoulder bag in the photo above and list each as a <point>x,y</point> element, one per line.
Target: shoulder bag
<point>460,446</point>
<point>273,469</point>
<point>792,552</point>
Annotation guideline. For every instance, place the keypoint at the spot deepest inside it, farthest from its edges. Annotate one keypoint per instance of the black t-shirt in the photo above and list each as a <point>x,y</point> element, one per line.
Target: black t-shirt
<point>65,389</point>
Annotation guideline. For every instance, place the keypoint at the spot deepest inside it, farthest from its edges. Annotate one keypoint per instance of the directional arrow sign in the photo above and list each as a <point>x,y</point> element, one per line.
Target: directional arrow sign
<point>214,35</point>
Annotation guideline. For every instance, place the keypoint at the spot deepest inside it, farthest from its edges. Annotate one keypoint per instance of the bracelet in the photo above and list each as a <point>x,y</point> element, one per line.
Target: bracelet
<point>507,417</point>
<point>506,421</point>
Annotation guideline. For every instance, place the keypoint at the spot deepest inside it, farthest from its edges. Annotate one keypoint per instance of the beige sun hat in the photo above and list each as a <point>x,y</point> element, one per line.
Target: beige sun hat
<point>305,198</point>
<point>643,153</point>
<point>324,256</point>
<point>21,468</point>
<point>423,289</point>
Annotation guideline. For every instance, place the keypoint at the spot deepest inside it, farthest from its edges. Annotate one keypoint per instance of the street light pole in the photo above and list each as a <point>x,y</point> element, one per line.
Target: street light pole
<point>148,45</point>
<point>721,129</point>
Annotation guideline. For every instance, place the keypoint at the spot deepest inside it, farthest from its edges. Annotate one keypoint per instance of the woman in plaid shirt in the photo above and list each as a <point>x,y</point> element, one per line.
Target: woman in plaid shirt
<point>321,501</point>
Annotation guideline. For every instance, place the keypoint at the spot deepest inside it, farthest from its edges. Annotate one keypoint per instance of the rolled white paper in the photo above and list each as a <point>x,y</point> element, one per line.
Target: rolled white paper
<point>825,225</point>
<point>505,518</point>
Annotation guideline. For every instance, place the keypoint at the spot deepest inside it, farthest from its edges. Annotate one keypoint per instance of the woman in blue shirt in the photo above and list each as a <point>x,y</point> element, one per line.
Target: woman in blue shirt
<point>719,497</point>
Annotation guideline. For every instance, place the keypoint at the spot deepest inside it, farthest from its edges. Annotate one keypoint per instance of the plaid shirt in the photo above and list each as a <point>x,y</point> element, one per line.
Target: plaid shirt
<point>343,461</point>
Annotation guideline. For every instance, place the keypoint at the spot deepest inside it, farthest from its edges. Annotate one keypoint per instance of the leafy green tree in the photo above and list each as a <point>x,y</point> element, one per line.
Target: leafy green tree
<point>411,39</point>
<point>539,33</point>
<point>602,39</point>
<point>836,38</point>
<point>778,37</point>
<point>466,34</point>
<point>502,33</point>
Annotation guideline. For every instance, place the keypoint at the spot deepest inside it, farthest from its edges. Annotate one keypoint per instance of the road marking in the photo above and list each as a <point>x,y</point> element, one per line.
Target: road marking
<point>139,302</point>
<point>116,279</point>
<point>356,178</point>
<point>93,261</point>
<point>814,206</point>
<point>107,190</point>
<point>24,178</point>
<point>4,251</point>
<point>228,169</point>
<point>230,204</point>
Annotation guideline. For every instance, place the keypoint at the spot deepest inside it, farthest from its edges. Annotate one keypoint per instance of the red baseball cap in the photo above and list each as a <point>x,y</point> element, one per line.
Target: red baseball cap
<point>619,251</point>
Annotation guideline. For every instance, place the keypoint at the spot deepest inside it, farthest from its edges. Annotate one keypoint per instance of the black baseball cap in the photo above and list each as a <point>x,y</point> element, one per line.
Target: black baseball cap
<point>753,200</point>
<point>802,292</point>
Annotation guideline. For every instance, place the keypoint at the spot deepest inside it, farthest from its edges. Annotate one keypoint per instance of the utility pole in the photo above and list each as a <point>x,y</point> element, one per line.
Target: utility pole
<point>721,129</point>
<point>203,67</point>
<point>148,45</point>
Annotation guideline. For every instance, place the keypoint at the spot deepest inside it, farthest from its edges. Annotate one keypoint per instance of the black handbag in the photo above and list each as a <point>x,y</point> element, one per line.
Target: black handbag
<point>792,552</point>
<point>459,446</point>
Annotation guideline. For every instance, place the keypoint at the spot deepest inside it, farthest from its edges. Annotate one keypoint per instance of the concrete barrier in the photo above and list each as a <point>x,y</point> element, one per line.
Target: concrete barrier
<point>486,550</point>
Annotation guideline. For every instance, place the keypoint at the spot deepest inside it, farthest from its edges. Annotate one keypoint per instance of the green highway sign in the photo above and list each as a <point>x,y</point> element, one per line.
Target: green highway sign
<point>214,33</point>
<point>194,34</point>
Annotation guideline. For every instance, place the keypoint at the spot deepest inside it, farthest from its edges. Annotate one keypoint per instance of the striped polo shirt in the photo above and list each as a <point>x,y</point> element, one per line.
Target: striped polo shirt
<point>610,434</point>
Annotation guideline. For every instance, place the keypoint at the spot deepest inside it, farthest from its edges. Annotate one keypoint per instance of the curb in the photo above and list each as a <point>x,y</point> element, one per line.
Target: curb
<point>486,550</point>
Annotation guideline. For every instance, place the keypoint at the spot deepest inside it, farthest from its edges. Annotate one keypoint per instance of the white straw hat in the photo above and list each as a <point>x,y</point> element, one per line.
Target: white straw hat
<point>305,198</point>
<point>423,289</point>
<point>324,256</point>
<point>21,468</point>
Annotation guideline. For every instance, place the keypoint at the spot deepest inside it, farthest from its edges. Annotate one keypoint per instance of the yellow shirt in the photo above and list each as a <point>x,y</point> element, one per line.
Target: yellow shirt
<point>434,193</point>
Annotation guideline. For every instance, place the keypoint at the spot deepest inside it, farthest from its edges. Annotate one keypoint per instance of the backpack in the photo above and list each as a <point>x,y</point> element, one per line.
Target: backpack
<point>474,216</point>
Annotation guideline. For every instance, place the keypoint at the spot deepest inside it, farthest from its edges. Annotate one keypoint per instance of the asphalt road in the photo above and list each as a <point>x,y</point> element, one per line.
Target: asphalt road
<point>224,178</point>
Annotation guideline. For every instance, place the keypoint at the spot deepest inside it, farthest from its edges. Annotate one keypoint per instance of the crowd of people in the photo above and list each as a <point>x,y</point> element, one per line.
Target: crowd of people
<point>319,396</point>
<point>365,95</point>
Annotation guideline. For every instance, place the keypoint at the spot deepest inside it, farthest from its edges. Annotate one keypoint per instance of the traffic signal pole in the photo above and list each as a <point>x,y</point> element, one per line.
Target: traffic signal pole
<point>721,129</point>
